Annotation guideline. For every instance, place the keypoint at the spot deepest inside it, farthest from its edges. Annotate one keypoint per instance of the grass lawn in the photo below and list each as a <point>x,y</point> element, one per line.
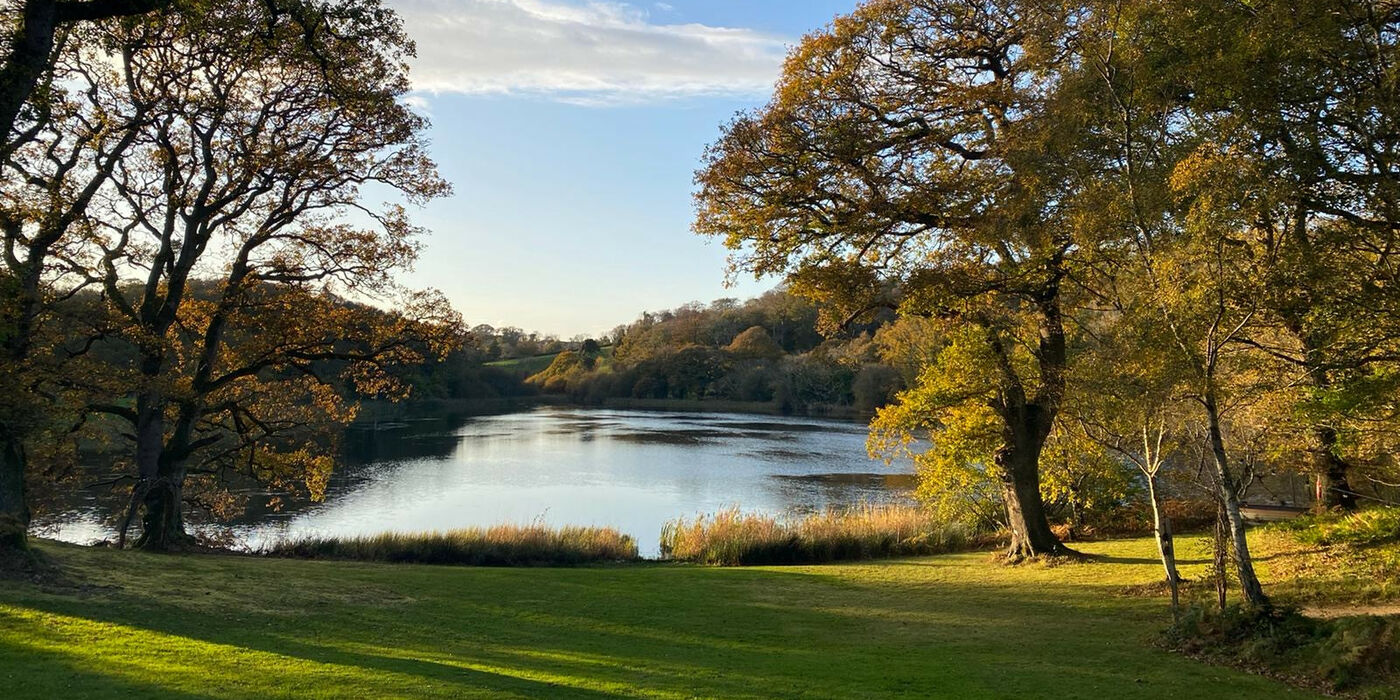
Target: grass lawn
<point>525,366</point>
<point>139,625</point>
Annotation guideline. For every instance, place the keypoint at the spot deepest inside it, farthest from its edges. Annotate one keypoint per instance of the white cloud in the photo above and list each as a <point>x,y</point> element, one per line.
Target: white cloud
<point>596,52</point>
<point>418,103</point>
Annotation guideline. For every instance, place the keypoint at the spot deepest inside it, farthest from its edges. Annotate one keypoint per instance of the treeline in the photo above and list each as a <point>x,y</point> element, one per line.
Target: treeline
<point>769,350</point>
<point>1148,238</point>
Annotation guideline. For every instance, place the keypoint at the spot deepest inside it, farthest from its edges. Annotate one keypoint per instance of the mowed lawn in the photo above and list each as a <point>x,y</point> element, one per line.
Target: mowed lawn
<point>958,626</point>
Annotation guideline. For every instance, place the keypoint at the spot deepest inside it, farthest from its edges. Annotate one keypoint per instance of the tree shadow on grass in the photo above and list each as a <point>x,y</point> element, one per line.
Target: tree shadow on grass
<point>680,631</point>
<point>1108,559</point>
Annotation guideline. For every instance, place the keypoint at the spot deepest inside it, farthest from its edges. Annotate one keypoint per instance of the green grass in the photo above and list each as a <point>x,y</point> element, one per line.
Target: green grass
<point>501,545</point>
<point>1330,559</point>
<point>525,366</point>
<point>733,538</point>
<point>956,626</point>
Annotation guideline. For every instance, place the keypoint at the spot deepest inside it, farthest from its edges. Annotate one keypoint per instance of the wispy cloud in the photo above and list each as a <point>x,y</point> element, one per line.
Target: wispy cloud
<point>593,52</point>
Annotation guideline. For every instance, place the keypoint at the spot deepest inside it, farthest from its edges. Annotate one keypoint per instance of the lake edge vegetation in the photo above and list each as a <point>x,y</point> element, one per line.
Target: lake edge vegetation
<point>499,545</point>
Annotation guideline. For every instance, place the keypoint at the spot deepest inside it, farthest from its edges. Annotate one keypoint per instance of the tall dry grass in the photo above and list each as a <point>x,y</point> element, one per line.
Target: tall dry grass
<point>499,545</point>
<point>734,538</point>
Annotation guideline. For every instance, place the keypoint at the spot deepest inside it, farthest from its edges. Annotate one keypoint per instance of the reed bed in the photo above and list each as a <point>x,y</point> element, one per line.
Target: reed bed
<point>734,538</point>
<point>499,545</point>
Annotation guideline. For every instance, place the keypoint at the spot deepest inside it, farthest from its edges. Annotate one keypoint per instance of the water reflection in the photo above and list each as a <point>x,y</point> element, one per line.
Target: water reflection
<point>628,469</point>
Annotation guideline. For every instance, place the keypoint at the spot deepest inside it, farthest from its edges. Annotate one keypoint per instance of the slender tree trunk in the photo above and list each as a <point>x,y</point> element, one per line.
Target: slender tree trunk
<point>1220,551</point>
<point>14,508</point>
<point>1162,528</point>
<point>1225,479</point>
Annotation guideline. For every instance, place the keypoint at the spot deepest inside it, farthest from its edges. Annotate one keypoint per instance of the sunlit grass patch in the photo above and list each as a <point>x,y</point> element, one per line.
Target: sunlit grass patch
<point>145,662</point>
<point>1371,526</point>
<point>954,626</point>
<point>732,537</point>
<point>499,545</point>
<point>1335,558</point>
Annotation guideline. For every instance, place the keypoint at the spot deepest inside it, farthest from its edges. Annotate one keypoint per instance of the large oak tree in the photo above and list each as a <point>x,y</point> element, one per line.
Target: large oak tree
<point>248,177</point>
<point>924,146</point>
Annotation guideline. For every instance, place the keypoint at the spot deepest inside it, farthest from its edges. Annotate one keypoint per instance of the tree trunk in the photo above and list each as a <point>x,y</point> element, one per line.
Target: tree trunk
<point>29,55</point>
<point>1334,489</point>
<point>159,488</point>
<point>1162,528</point>
<point>31,49</point>
<point>163,523</point>
<point>1019,463</point>
<point>14,509</point>
<point>1225,479</point>
<point>1220,555</point>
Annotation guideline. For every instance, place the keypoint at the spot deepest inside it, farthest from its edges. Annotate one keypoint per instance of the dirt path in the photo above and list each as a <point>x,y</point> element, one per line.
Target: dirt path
<point>1328,612</point>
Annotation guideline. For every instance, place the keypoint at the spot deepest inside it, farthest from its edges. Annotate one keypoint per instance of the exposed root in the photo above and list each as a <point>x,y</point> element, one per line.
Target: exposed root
<point>1055,557</point>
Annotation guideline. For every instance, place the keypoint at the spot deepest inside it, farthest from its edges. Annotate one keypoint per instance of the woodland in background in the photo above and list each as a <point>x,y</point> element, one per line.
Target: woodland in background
<point>770,350</point>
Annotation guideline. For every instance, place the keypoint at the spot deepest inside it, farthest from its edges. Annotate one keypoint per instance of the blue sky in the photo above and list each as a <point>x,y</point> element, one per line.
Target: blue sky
<point>571,131</point>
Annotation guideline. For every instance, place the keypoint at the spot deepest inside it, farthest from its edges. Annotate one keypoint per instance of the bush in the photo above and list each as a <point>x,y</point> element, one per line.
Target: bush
<point>733,538</point>
<point>1373,526</point>
<point>501,545</point>
<point>1345,653</point>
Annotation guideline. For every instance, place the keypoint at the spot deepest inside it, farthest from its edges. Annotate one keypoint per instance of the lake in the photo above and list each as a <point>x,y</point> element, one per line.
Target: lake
<point>633,470</point>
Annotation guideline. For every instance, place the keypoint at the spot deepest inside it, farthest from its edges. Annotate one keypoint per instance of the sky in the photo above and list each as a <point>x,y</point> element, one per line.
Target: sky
<point>571,131</point>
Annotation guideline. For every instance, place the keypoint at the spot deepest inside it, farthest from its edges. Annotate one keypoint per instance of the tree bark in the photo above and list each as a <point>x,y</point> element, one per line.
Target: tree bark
<point>29,56</point>
<point>163,522</point>
<point>1026,424</point>
<point>1162,529</point>
<point>14,508</point>
<point>1229,497</point>
<point>31,48</point>
<point>1019,466</point>
<point>159,491</point>
<point>1333,486</point>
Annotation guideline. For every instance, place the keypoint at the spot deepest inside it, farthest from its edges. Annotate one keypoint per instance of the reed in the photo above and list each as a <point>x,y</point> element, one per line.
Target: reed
<point>734,538</point>
<point>499,545</point>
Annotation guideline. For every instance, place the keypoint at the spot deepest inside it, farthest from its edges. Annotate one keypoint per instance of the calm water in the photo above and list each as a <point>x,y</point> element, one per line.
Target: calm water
<point>627,469</point>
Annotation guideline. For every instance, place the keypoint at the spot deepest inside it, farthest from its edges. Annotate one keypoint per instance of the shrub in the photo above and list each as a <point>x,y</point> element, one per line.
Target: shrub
<point>1373,526</point>
<point>501,545</point>
<point>733,538</point>
<point>1344,653</point>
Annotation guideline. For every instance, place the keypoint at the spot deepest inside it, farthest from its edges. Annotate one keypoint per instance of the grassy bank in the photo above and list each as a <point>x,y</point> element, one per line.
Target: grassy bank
<point>129,624</point>
<point>525,366</point>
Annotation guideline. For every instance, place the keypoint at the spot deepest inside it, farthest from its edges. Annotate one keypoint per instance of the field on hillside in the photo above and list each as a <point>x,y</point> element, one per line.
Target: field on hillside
<point>528,366</point>
<point>525,366</point>
<point>131,624</point>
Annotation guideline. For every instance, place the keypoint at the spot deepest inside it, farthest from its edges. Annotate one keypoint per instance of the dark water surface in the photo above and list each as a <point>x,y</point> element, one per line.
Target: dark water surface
<point>633,470</point>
